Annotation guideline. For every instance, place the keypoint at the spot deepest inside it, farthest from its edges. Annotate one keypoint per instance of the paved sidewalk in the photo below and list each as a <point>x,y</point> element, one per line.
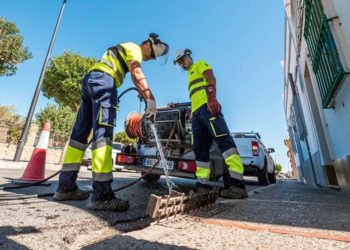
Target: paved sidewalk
<point>288,215</point>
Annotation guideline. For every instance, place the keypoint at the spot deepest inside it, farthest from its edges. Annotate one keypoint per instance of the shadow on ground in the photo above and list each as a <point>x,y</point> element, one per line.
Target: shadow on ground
<point>11,231</point>
<point>127,242</point>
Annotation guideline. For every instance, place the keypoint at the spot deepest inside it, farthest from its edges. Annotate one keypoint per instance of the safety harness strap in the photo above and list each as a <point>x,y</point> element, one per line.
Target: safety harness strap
<point>116,51</point>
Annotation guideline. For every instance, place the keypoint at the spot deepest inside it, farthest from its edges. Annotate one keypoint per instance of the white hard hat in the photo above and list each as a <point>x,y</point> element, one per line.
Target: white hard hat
<point>161,49</point>
<point>181,53</point>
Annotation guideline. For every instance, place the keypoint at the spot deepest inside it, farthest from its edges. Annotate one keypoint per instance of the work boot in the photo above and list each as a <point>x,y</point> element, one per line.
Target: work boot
<point>77,194</point>
<point>103,198</point>
<point>114,205</point>
<point>202,188</point>
<point>234,193</point>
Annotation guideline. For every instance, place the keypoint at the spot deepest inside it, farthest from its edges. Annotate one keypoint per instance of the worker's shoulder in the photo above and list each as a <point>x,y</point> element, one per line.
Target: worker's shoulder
<point>131,46</point>
<point>202,63</point>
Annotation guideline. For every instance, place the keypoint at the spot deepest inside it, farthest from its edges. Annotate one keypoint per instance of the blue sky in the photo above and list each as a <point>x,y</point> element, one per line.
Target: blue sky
<point>242,40</point>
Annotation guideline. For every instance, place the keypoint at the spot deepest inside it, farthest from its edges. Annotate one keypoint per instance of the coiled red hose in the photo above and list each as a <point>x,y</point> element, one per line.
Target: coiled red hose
<point>133,125</point>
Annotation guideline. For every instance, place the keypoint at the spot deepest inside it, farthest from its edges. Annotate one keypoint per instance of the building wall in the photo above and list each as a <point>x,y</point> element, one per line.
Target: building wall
<point>338,118</point>
<point>314,161</point>
<point>288,144</point>
<point>328,130</point>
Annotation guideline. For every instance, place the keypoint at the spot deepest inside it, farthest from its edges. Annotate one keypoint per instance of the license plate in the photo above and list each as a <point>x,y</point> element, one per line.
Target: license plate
<point>149,162</point>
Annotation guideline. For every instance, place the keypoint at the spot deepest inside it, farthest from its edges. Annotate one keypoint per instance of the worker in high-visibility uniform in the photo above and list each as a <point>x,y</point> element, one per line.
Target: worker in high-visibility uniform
<point>208,123</point>
<point>97,111</point>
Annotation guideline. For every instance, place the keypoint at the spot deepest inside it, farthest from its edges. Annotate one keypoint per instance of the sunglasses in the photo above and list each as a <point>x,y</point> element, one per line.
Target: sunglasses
<point>180,60</point>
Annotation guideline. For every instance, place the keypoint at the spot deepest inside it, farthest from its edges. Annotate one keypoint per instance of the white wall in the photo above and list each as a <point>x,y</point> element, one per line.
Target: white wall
<point>340,26</point>
<point>338,119</point>
<point>309,121</point>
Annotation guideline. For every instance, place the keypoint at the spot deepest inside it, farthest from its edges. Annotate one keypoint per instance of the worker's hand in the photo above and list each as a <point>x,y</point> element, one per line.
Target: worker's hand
<point>151,109</point>
<point>212,104</point>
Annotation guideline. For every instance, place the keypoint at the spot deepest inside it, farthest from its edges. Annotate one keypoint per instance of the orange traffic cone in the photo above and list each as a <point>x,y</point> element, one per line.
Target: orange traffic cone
<point>35,170</point>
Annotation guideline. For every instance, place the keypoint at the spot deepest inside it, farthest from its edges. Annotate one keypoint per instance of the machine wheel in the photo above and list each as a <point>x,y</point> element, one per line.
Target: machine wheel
<point>272,176</point>
<point>151,178</point>
<point>263,175</point>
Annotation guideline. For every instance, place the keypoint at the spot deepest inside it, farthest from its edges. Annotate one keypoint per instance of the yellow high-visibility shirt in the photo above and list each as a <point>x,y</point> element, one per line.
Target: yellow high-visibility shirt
<point>197,84</point>
<point>111,64</point>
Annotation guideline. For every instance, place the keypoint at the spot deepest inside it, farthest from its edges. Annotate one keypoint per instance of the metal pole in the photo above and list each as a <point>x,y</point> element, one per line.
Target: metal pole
<point>37,90</point>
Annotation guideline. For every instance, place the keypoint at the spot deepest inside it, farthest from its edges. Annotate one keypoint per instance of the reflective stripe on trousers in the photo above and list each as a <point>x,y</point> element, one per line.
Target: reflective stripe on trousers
<point>234,163</point>
<point>203,171</point>
<point>102,160</point>
<point>96,112</point>
<point>74,156</point>
<point>205,128</point>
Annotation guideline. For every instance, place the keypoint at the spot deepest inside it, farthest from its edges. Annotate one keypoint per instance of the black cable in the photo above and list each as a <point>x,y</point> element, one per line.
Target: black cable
<point>30,184</point>
<point>129,89</point>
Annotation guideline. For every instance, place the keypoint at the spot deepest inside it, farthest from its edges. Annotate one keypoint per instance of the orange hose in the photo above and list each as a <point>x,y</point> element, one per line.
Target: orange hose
<point>133,126</point>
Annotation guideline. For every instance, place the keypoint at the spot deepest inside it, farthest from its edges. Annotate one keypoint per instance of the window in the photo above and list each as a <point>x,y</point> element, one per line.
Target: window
<point>325,59</point>
<point>117,146</point>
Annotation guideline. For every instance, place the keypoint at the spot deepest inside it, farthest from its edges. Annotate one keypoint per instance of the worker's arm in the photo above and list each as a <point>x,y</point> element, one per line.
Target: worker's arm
<point>140,83</point>
<point>213,104</point>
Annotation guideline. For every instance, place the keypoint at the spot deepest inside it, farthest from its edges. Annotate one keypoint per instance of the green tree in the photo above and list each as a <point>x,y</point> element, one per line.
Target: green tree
<point>278,168</point>
<point>61,119</point>
<point>12,51</point>
<point>13,121</point>
<point>7,113</point>
<point>123,138</point>
<point>64,76</point>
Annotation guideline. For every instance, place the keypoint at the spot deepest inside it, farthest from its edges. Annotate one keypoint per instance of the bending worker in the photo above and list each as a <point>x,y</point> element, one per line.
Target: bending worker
<point>208,123</point>
<point>98,112</point>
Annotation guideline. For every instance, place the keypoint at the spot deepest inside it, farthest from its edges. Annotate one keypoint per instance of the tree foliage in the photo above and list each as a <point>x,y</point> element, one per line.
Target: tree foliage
<point>12,51</point>
<point>13,121</point>
<point>64,76</point>
<point>7,114</point>
<point>123,138</point>
<point>61,119</point>
<point>278,168</point>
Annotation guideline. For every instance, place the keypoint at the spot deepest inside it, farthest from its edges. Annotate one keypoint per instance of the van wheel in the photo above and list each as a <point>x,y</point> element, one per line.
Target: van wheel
<point>151,178</point>
<point>263,175</point>
<point>272,176</point>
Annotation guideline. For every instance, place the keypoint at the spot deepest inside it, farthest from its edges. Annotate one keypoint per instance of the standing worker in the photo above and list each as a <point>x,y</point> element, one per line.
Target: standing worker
<point>208,123</point>
<point>98,112</point>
